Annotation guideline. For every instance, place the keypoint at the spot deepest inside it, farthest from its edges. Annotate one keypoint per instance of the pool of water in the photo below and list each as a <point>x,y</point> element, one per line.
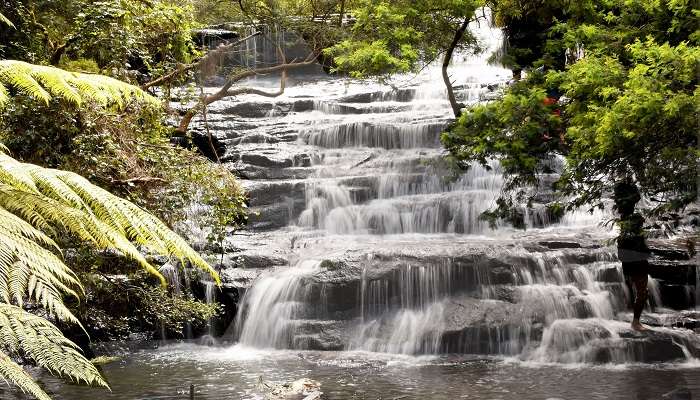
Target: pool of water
<point>166,371</point>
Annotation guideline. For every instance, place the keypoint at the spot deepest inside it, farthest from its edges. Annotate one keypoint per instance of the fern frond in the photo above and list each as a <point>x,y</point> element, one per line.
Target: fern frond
<point>4,20</point>
<point>44,82</point>
<point>29,269</point>
<point>64,199</point>
<point>18,74</point>
<point>4,95</point>
<point>12,372</point>
<point>40,341</point>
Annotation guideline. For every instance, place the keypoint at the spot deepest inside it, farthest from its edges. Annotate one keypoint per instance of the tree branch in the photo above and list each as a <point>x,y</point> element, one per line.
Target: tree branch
<point>446,63</point>
<point>226,91</point>
<point>182,68</point>
<point>141,179</point>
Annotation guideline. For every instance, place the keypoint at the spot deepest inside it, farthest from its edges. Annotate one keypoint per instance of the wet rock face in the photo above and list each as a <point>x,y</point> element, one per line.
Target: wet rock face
<point>491,300</point>
<point>267,109</point>
<point>660,346</point>
<point>676,271</point>
<point>211,147</point>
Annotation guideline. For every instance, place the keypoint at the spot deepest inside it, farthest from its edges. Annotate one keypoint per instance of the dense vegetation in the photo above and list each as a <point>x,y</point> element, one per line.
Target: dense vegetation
<point>612,86</point>
<point>66,242</point>
<point>92,190</point>
<point>41,207</point>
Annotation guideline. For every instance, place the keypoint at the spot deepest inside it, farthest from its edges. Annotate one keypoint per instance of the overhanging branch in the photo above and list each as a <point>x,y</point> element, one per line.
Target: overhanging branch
<point>182,68</point>
<point>227,91</point>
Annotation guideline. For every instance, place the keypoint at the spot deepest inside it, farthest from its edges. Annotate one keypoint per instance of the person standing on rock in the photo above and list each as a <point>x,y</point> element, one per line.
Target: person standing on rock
<point>632,249</point>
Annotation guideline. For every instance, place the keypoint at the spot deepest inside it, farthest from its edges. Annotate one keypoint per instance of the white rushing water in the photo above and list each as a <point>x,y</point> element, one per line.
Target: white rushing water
<point>389,253</point>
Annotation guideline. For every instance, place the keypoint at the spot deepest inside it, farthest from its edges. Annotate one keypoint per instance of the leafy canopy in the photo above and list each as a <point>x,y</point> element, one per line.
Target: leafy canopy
<point>399,36</point>
<point>628,107</point>
<point>114,37</point>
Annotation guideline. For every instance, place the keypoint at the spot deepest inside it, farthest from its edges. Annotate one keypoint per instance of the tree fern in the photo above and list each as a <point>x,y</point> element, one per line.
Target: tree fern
<point>42,200</point>
<point>44,82</point>
<point>28,269</point>
<point>13,372</point>
<point>38,205</point>
<point>33,338</point>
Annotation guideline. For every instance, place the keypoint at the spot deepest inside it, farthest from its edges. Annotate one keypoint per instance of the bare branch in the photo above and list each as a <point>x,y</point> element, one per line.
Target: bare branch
<point>182,68</point>
<point>141,179</point>
<point>226,91</point>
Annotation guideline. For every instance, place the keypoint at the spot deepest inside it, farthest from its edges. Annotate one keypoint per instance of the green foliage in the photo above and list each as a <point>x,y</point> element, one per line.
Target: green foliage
<point>128,152</point>
<point>40,208</point>
<point>18,42</point>
<point>83,65</point>
<point>118,35</point>
<point>628,108</point>
<point>526,27</point>
<point>400,36</point>
<point>141,307</point>
<point>157,309</point>
<point>224,197</point>
<point>638,121</point>
<point>125,150</point>
<point>212,12</point>
<point>115,33</point>
<point>519,129</point>
<point>362,59</point>
<point>45,200</point>
<point>42,83</point>
<point>537,32</point>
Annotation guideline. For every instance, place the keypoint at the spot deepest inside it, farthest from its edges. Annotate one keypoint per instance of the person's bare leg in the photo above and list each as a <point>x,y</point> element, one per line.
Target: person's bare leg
<point>640,298</point>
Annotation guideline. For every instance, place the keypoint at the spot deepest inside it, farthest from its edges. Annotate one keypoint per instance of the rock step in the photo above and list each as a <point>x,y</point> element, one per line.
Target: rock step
<point>375,134</point>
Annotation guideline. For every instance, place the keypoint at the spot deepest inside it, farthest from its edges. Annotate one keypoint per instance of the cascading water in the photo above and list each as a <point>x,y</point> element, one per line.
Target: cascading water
<point>209,298</point>
<point>276,304</point>
<point>389,253</point>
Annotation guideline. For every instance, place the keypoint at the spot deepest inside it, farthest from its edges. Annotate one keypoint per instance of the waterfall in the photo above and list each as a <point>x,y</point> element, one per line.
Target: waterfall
<point>271,308</point>
<point>209,298</point>
<point>171,274</point>
<point>390,251</point>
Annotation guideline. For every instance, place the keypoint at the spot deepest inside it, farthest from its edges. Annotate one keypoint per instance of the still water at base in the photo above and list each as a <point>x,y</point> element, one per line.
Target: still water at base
<point>233,373</point>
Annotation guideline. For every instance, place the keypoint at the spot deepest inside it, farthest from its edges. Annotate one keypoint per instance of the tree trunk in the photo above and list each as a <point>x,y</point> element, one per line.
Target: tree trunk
<point>446,63</point>
<point>60,50</point>
<point>342,13</point>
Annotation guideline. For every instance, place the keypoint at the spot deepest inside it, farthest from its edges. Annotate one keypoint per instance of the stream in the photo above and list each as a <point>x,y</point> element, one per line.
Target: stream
<point>232,373</point>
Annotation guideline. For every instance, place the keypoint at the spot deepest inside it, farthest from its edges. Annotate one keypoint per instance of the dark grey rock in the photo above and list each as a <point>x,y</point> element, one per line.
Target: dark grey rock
<point>266,160</point>
<point>609,274</point>
<point>553,244</point>
<point>274,216</point>
<point>273,192</point>
<point>655,346</point>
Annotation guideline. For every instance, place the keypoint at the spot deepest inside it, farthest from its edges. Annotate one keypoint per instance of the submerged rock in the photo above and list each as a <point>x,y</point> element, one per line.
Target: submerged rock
<point>301,389</point>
